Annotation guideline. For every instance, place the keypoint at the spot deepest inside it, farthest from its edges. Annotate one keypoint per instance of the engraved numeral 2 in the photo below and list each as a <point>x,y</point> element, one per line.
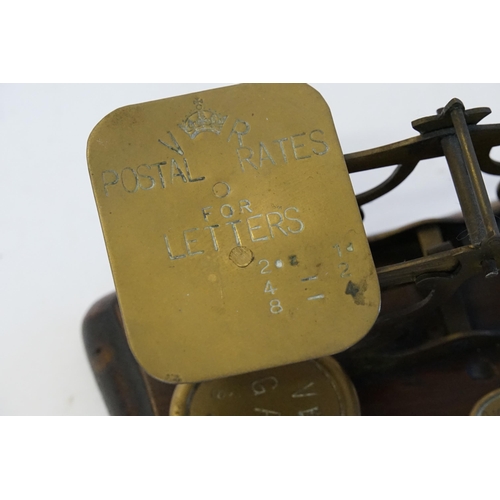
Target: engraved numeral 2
<point>345,267</point>
<point>265,269</point>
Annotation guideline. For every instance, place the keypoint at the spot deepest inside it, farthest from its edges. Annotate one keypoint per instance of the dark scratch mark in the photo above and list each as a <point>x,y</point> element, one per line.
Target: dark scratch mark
<point>357,292</point>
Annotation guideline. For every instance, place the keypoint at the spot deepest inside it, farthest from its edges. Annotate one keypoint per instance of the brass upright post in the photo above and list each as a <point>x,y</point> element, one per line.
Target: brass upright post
<point>467,177</point>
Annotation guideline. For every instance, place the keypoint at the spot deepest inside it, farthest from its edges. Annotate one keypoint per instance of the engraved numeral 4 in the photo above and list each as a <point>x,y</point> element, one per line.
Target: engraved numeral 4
<point>269,288</point>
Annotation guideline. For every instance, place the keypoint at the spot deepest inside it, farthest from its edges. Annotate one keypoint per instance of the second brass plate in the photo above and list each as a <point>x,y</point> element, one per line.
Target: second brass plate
<point>233,232</point>
<point>314,387</point>
<point>487,406</point>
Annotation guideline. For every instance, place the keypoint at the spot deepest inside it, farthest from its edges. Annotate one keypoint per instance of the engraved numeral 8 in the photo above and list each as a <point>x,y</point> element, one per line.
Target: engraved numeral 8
<point>275,306</point>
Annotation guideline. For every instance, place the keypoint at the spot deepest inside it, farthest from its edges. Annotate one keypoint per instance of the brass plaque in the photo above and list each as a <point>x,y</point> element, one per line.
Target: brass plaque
<point>233,232</point>
<point>310,388</point>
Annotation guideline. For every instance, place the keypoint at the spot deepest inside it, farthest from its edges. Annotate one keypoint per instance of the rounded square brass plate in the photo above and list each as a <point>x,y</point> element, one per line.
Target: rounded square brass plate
<point>233,232</point>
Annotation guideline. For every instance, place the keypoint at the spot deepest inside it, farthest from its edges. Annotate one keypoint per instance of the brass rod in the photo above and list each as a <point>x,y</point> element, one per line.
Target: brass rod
<point>464,188</point>
<point>474,171</point>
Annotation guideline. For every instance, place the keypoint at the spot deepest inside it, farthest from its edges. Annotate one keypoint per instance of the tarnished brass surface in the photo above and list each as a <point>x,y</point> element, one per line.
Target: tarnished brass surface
<point>234,236</point>
<point>435,347</point>
<point>489,406</point>
<point>315,387</point>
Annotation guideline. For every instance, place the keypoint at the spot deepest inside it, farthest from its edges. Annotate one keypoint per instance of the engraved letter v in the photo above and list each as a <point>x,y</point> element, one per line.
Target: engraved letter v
<point>176,146</point>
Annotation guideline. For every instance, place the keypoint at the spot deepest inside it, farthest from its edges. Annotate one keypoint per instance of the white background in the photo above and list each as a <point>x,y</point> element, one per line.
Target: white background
<point>53,263</point>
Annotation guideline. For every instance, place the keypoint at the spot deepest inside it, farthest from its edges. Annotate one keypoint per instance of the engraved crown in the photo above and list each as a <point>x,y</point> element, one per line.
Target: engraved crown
<point>202,120</point>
